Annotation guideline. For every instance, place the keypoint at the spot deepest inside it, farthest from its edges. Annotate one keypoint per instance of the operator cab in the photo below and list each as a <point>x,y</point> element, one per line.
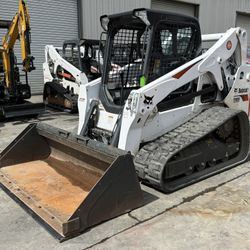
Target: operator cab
<point>141,46</point>
<point>83,54</point>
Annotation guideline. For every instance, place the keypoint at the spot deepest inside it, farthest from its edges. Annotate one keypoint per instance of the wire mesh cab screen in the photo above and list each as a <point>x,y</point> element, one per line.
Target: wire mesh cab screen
<point>84,56</point>
<point>139,54</point>
<point>173,45</point>
<point>71,54</point>
<point>125,62</point>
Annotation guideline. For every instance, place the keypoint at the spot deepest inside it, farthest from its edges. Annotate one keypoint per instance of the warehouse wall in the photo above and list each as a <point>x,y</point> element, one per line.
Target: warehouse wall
<point>93,9</point>
<point>214,15</point>
<point>219,15</point>
<point>176,6</point>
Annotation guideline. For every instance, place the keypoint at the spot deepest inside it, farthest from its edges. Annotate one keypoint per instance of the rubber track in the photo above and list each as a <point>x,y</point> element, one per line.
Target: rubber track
<point>152,158</point>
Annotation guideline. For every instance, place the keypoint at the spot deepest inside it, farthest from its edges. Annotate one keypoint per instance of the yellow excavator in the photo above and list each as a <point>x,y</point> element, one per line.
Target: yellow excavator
<point>13,93</point>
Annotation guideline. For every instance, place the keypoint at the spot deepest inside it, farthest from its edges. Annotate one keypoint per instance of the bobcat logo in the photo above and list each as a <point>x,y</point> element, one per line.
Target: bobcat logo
<point>148,99</point>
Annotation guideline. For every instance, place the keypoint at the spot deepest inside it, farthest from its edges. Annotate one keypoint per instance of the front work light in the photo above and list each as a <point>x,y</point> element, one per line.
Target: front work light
<point>104,22</point>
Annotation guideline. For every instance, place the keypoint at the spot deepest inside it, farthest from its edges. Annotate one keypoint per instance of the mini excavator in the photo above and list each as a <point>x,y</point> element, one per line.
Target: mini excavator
<point>13,93</point>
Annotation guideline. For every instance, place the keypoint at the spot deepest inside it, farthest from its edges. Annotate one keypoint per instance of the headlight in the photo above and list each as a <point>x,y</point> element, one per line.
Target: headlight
<point>129,102</point>
<point>134,102</point>
<point>142,14</point>
<point>104,22</point>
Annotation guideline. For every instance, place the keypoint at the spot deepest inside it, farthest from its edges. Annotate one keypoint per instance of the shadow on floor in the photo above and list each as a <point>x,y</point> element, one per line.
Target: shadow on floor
<point>148,197</point>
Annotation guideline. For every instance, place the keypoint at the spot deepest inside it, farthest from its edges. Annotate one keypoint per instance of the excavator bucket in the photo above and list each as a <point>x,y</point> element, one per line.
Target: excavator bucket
<point>69,183</point>
<point>21,110</point>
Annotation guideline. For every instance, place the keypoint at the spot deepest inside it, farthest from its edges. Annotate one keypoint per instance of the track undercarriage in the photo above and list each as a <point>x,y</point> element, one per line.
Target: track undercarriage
<point>56,96</point>
<point>212,142</point>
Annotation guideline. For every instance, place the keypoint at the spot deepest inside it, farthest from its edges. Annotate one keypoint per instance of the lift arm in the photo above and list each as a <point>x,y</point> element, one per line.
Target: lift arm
<point>207,64</point>
<point>18,29</point>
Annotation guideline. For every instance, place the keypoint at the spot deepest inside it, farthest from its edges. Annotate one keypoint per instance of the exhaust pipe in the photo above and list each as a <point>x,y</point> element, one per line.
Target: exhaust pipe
<point>69,183</point>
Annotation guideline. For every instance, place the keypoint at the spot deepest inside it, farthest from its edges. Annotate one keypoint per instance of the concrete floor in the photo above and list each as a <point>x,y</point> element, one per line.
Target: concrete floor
<point>212,214</point>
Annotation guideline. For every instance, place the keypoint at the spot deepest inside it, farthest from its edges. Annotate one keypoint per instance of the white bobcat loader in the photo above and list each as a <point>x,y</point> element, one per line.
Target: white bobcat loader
<point>64,73</point>
<point>183,115</point>
<point>161,109</point>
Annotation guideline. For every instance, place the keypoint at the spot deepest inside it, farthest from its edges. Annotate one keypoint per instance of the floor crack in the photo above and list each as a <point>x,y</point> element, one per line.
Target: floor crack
<point>185,200</point>
<point>133,217</point>
<point>211,189</point>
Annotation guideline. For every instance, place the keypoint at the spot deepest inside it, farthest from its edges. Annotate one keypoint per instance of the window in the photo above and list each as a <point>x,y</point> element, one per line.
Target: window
<point>126,58</point>
<point>166,42</point>
<point>172,46</point>
<point>183,40</point>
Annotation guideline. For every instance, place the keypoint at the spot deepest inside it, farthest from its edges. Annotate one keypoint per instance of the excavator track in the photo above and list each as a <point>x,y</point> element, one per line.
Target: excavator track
<point>57,97</point>
<point>215,140</point>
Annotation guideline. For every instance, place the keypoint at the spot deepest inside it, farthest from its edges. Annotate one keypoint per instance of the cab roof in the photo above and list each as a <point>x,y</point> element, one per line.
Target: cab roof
<point>153,16</point>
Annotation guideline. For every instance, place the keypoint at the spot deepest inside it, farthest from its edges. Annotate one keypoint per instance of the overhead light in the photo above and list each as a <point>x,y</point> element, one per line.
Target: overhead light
<point>142,14</point>
<point>104,22</point>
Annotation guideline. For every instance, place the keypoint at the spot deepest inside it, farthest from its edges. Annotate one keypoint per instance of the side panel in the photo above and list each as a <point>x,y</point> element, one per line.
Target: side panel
<point>238,97</point>
<point>88,92</point>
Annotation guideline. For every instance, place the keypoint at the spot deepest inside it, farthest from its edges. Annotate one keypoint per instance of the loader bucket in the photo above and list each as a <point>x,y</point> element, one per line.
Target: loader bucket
<point>69,183</point>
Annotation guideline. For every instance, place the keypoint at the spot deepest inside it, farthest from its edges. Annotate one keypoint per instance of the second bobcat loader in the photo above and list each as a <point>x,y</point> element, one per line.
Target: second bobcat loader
<point>161,109</point>
<point>63,73</point>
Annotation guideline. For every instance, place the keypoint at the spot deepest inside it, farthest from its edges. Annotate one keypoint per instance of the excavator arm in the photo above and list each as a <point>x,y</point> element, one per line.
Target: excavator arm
<point>18,29</point>
<point>24,33</point>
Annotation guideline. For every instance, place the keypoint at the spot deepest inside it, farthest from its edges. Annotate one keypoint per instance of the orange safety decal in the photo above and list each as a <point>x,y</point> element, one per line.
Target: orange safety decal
<point>66,75</point>
<point>181,73</point>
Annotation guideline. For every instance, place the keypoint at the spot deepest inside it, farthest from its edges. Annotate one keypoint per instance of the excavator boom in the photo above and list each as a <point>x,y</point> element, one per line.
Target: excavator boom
<point>19,28</point>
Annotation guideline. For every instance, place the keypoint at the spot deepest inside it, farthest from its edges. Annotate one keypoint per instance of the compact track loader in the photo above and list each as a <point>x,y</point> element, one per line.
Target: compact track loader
<point>183,114</point>
<point>63,73</point>
<point>161,108</point>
